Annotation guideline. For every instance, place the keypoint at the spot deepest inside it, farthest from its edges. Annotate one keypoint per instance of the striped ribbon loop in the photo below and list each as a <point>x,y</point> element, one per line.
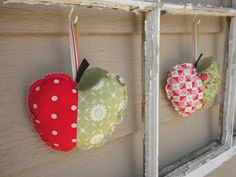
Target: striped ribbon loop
<point>195,39</point>
<point>73,35</point>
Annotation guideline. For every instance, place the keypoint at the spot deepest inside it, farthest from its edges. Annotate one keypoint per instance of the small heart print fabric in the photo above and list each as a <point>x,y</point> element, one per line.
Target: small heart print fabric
<point>52,102</point>
<point>184,89</point>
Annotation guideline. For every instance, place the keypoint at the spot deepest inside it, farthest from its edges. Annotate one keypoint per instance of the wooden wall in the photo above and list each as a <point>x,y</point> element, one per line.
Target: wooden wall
<point>34,42</point>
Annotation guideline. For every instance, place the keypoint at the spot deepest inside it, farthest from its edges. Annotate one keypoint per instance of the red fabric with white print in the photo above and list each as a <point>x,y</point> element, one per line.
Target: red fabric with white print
<point>184,89</point>
<point>53,102</point>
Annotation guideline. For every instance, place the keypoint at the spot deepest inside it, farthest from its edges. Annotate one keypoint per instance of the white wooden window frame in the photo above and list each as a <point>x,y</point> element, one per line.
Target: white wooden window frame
<point>210,157</point>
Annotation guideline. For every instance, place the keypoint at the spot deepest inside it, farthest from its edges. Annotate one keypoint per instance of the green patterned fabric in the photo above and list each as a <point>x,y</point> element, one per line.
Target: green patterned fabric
<point>102,99</point>
<point>209,72</point>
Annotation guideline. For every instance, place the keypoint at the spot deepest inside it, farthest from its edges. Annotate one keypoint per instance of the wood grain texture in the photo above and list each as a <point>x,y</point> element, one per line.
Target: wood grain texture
<point>216,3</point>
<point>230,88</point>
<point>199,9</point>
<point>127,5</point>
<point>183,23</point>
<point>52,20</point>
<point>152,58</point>
<point>118,159</point>
<point>27,57</point>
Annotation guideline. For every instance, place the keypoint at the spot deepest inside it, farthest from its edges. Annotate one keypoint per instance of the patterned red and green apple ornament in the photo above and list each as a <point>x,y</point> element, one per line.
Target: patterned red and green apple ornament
<point>66,113</point>
<point>193,87</point>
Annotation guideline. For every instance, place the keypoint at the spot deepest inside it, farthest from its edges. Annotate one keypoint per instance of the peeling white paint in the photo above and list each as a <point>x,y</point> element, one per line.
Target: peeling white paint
<point>190,9</point>
<point>152,54</point>
<point>127,5</point>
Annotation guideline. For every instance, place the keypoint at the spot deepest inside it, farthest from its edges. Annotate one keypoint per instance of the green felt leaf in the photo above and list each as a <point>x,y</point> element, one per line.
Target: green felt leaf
<point>204,63</point>
<point>90,78</point>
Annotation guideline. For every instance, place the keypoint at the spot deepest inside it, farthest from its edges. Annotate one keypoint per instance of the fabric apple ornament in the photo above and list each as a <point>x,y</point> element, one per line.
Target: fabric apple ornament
<point>77,111</point>
<point>209,72</point>
<point>63,118</point>
<point>184,86</point>
<point>184,89</point>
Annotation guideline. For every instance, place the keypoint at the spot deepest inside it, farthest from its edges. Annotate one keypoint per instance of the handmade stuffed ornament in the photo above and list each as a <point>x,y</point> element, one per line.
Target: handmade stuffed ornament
<point>80,111</point>
<point>184,89</point>
<point>193,86</point>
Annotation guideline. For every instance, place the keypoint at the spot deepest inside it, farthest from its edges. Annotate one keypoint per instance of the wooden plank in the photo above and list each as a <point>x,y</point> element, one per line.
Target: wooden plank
<point>183,24</point>
<point>203,164</point>
<point>137,6</point>
<point>177,139</point>
<point>45,20</point>
<point>230,88</point>
<point>187,158</point>
<point>152,54</point>
<point>127,5</point>
<point>48,21</point>
<point>27,157</point>
<point>191,9</point>
<point>215,3</point>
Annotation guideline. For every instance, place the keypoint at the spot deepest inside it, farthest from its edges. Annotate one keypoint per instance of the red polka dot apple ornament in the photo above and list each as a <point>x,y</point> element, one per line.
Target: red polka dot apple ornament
<point>193,86</point>
<point>66,114</point>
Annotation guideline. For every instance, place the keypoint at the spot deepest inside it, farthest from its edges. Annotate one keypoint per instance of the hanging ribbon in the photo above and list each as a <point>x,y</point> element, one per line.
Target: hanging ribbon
<point>195,39</point>
<point>73,43</point>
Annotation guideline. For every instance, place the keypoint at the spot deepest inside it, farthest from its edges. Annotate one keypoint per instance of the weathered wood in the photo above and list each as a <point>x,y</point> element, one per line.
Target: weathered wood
<point>48,21</point>
<point>204,164</point>
<point>215,3</point>
<point>230,88</point>
<point>152,54</point>
<point>187,158</point>
<point>171,24</point>
<point>136,6</point>
<point>190,9</point>
<point>127,5</point>
<point>30,158</point>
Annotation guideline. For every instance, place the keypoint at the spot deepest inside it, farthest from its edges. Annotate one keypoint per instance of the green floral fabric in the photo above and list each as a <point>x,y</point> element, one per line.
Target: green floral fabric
<point>209,72</point>
<point>102,99</point>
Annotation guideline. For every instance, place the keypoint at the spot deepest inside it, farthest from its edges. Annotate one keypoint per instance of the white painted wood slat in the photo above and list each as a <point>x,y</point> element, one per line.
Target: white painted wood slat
<point>230,88</point>
<point>152,54</point>
<point>137,6</point>
<point>128,5</point>
<point>190,9</point>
